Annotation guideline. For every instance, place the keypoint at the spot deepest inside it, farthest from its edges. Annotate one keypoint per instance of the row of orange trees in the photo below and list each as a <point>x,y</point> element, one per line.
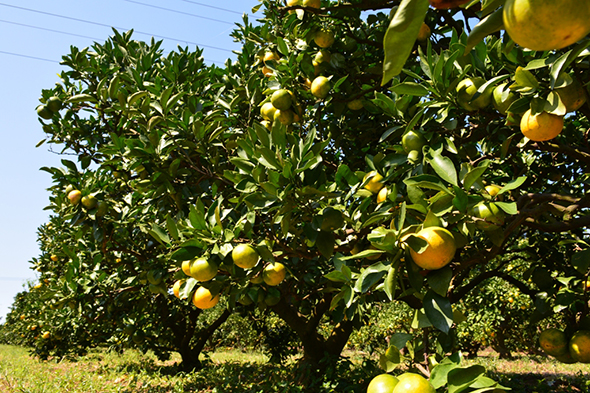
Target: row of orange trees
<point>361,165</point>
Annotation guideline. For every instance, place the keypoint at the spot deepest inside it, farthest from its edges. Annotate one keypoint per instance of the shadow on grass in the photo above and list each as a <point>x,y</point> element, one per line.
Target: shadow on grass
<point>544,382</point>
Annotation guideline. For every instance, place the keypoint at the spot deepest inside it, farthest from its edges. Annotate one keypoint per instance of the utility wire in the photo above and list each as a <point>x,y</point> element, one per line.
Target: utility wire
<point>212,6</point>
<point>54,31</point>
<point>179,12</point>
<point>27,56</point>
<point>54,61</point>
<point>118,28</point>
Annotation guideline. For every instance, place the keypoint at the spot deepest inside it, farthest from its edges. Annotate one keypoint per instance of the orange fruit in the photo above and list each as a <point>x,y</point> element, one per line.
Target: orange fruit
<point>267,71</point>
<point>374,184</point>
<point>203,270</point>
<point>204,299</point>
<point>244,256</point>
<point>467,88</point>
<point>541,127</point>
<point>285,117</point>
<point>491,213</point>
<point>382,196</point>
<point>176,288</point>
<point>413,140</point>
<point>573,96</point>
<point>382,383</point>
<point>270,56</point>
<point>424,33</point>
<point>281,99</point>
<point>75,196</point>
<point>324,38</point>
<point>186,267</point>
<point>493,189</point>
<point>546,24</point>
<point>274,273</point>
<point>554,342</point>
<point>579,346</point>
<point>413,383</point>
<point>312,3</point>
<point>267,111</point>
<point>320,87</point>
<point>439,251</point>
<point>355,105</point>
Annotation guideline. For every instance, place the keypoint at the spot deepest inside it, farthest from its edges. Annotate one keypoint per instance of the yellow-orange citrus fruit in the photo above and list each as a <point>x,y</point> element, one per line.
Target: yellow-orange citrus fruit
<point>267,111</point>
<point>554,342</point>
<point>493,189</point>
<point>203,269</point>
<point>382,195</point>
<point>274,273</point>
<point>413,140</point>
<point>573,96</point>
<point>311,3</point>
<point>502,98</point>
<point>491,213</point>
<point>320,87</point>
<point>579,346</point>
<point>355,105</point>
<point>323,56</point>
<point>546,24</point>
<point>413,383</point>
<point>204,299</point>
<point>374,184</point>
<point>54,258</point>
<point>324,38</point>
<point>466,90</point>
<point>244,256</point>
<point>75,196</point>
<point>382,383</point>
<point>281,99</point>
<point>440,250</point>
<point>270,56</point>
<point>176,288</point>
<point>540,127</point>
<point>284,116</point>
<point>46,335</point>
<point>424,33</point>
<point>186,267</point>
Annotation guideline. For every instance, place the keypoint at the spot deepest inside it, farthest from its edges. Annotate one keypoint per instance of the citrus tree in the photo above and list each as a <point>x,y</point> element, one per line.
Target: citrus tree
<point>355,152</point>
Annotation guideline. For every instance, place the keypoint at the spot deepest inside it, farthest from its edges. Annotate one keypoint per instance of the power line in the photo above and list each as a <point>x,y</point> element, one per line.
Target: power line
<point>54,31</point>
<point>180,12</point>
<point>212,6</point>
<point>118,28</point>
<point>27,56</point>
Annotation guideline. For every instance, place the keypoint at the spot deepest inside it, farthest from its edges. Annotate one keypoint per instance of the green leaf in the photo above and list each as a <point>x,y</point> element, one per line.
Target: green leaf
<point>439,280</point>
<point>337,276</point>
<point>390,283</point>
<point>525,78</point>
<point>512,185</point>
<point>159,234</point>
<point>411,89</point>
<point>401,35</point>
<point>427,181</point>
<point>581,261</point>
<point>325,243</point>
<point>443,166</point>
<point>171,226</point>
<point>461,378</point>
<point>509,207</point>
<point>488,25</point>
<point>282,46</point>
<point>439,375</point>
<point>438,310</point>
<point>473,175</point>
<point>554,104</point>
<point>370,276</point>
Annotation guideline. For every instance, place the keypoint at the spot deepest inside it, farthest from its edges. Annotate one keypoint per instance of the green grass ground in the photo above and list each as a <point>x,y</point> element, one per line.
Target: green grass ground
<point>235,371</point>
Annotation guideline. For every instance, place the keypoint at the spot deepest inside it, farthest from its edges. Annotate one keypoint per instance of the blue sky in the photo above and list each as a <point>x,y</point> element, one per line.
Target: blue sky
<point>34,35</point>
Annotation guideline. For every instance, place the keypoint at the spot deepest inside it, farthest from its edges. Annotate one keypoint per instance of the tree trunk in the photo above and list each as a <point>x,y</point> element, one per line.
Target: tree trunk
<point>318,352</point>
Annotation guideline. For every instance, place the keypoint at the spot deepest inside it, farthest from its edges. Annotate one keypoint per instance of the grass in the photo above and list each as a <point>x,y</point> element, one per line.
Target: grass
<point>230,370</point>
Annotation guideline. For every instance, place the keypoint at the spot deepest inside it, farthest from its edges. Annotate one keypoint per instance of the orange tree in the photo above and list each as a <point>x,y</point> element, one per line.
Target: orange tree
<point>351,158</point>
